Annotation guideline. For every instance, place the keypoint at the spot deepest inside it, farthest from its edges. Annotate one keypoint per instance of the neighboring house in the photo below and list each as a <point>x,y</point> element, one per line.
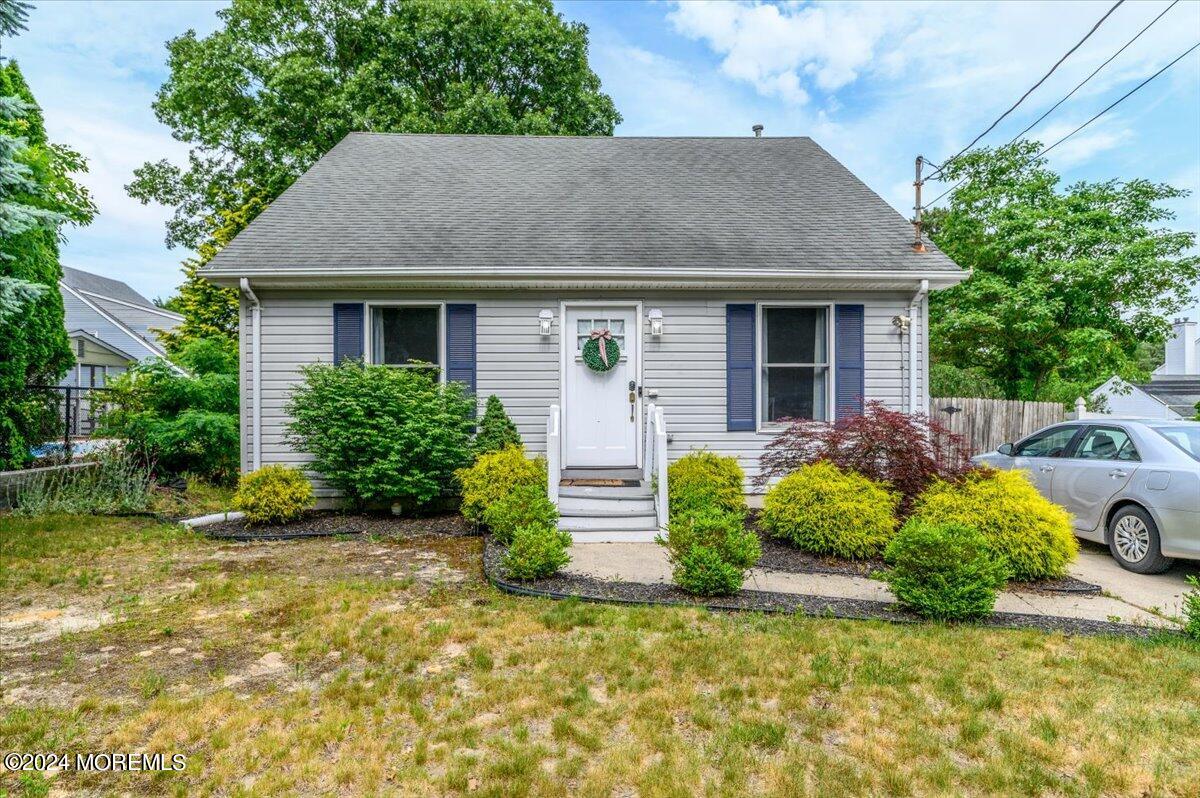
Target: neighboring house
<point>745,280</point>
<point>111,326</point>
<point>1174,387</point>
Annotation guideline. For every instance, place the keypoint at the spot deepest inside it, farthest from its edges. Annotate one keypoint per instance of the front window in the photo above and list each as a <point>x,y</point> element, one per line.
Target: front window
<point>585,327</point>
<point>1106,443</point>
<point>1185,437</point>
<point>1048,443</point>
<point>795,363</point>
<point>405,336</point>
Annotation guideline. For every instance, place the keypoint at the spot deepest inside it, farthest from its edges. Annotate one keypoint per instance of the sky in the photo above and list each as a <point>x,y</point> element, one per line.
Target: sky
<point>874,83</point>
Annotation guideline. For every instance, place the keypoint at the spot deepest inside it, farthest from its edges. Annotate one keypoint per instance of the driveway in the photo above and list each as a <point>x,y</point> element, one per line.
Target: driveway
<point>1158,593</point>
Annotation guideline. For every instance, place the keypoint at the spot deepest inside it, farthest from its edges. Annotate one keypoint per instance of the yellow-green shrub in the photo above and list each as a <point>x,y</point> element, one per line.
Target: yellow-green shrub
<point>702,479</point>
<point>273,494</point>
<point>493,475</point>
<point>823,510</point>
<point>1030,533</point>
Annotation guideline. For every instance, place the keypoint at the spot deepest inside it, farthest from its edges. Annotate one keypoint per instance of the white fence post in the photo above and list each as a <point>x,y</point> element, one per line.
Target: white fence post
<point>660,462</point>
<point>553,455</point>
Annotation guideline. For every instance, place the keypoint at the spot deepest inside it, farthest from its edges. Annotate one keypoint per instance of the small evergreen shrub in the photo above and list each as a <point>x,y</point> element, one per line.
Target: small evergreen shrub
<point>494,475</point>
<point>524,505</point>
<point>702,479</point>
<point>382,434</point>
<point>946,572</point>
<point>496,429</point>
<point>273,494</point>
<point>702,571</point>
<point>822,509</point>
<point>1191,609</point>
<point>698,539</point>
<point>536,552</point>
<point>1032,535</point>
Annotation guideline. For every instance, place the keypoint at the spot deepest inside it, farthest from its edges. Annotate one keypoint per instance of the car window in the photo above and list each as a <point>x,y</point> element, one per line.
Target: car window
<point>1185,437</point>
<point>1106,443</point>
<point>1047,443</point>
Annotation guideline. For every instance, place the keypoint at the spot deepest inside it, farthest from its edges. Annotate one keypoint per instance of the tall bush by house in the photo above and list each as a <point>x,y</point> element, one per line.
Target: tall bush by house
<point>496,429</point>
<point>273,494</point>
<point>702,479</point>
<point>710,550</point>
<point>182,423</point>
<point>1030,534</point>
<point>945,572</point>
<point>382,434</point>
<point>908,452</point>
<point>823,509</point>
<point>494,475</point>
<point>38,197</point>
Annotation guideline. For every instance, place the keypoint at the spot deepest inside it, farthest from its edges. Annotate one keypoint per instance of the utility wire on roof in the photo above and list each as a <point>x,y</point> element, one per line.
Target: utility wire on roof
<point>1032,88</point>
<point>1117,102</point>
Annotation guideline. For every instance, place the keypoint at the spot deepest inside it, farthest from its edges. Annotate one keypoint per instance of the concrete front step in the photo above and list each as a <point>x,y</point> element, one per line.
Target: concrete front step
<point>615,536</point>
<point>573,505</point>
<point>591,523</point>
<point>594,492</point>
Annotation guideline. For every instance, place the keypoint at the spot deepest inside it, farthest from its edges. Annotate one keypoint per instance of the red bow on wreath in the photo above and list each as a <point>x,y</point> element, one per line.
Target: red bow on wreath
<point>602,335</point>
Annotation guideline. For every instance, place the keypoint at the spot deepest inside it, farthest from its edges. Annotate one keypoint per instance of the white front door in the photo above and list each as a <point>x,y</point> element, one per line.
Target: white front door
<point>600,423</point>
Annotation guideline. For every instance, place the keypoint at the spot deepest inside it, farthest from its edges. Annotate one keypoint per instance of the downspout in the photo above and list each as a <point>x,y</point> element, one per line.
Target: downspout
<point>255,373</point>
<point>914,306</point>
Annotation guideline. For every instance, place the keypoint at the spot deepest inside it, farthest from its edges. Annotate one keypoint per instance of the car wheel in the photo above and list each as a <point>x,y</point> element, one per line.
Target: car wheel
<point>1133,541</point>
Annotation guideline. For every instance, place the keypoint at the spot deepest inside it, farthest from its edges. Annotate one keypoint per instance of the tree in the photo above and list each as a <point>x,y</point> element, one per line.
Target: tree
<point>1067,282</point>
<point>37,197</point>
<point>496,429</point>
<point>281,82</point>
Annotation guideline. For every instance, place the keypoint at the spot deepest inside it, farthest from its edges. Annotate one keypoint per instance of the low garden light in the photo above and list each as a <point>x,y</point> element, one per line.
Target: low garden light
<point>545,320</point>
<point>656,321</point>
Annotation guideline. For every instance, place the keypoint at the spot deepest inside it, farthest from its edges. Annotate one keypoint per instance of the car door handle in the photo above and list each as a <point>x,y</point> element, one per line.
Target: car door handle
<point>1046,469</point>
<point>1117,473</point>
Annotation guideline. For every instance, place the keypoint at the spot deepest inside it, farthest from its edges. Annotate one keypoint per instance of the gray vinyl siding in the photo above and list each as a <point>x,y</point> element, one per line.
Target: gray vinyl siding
<point>686,366</point>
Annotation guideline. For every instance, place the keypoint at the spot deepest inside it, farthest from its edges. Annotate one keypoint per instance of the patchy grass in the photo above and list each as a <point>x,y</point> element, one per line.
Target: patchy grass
<point>369,666</point>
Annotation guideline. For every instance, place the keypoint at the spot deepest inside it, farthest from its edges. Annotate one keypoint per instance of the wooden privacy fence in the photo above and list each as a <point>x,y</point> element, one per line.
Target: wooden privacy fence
<point>987,423</point>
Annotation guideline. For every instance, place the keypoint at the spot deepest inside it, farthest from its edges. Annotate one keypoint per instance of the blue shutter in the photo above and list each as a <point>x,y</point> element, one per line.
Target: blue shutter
<point>849,360</point>
<point>739,368</point>
<point>347,331</point>
<point>460,344</point>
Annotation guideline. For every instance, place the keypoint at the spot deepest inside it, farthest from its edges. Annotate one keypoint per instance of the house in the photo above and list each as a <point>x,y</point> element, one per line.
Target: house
<point>1173,391</point>
<point>111,326</point>
<point>743,280</point>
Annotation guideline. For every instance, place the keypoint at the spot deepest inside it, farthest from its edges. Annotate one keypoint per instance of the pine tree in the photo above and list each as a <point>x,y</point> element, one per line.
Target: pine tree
<point>496,430</point>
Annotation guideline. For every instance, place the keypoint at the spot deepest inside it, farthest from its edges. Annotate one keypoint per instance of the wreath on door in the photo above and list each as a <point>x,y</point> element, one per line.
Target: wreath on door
<point>600,351</point>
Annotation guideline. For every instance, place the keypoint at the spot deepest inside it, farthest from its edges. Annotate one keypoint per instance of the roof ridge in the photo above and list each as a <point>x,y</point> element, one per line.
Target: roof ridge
<point>385,133</point>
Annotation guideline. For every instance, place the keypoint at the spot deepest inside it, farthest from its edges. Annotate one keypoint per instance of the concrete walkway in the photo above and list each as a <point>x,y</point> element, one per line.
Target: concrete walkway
<point>1160,593</point>
<point>646,563</point>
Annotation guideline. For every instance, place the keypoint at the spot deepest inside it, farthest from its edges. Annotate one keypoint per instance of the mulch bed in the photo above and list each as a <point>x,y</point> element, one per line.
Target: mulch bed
<point>778,555</point>
<point>329,523</point>
<point>586,588</point>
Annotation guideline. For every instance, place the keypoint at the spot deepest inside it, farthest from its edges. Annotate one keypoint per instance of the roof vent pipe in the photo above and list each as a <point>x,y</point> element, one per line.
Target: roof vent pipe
<point>758,129</point>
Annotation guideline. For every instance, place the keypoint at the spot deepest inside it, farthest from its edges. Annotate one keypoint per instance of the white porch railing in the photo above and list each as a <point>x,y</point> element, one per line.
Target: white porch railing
<point>655,461</point>
<point>553,454</point>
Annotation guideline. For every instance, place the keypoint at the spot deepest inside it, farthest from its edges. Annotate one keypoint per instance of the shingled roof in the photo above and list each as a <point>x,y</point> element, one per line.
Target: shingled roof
<point>561,205</point>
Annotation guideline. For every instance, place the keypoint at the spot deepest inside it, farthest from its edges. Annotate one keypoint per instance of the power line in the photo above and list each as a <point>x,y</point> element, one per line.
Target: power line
<point>1057,64</point>
<point>1113,105</point>
<point>1089,77</point>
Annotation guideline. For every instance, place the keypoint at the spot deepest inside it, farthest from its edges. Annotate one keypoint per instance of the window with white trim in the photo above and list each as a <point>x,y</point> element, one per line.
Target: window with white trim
<point>585,327</point>
<point>405,336</point>
<point>795,363</point>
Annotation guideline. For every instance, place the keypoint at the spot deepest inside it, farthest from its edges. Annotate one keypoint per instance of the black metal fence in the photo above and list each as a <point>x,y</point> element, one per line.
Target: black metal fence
<point>79,410</point>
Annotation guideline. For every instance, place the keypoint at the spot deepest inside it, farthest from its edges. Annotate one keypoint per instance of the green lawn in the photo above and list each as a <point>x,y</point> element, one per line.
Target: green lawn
<point>382,666</point>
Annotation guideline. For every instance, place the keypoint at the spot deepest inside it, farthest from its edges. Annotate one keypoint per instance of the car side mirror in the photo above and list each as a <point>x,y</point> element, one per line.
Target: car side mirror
<point>1005,449</point>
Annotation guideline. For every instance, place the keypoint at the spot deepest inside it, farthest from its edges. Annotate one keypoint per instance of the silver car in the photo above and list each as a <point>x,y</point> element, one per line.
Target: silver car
<point>1131,484</point>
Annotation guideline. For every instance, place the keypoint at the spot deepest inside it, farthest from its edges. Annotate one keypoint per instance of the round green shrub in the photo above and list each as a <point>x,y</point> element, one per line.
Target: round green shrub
<point>946,572</point>
<point>1032,535</point>
<point>823,510</point>
<point>494,475</point>
<point>536,552</point>
<point>703,479</point>
<point>702,571</point>
<point>524,505</point>
<point>273,494</point>
<point>723,532</point>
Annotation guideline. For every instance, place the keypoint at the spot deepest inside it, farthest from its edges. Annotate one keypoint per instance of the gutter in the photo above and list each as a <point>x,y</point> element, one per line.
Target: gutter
<point>255,372</point>
<point>913,306</point>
